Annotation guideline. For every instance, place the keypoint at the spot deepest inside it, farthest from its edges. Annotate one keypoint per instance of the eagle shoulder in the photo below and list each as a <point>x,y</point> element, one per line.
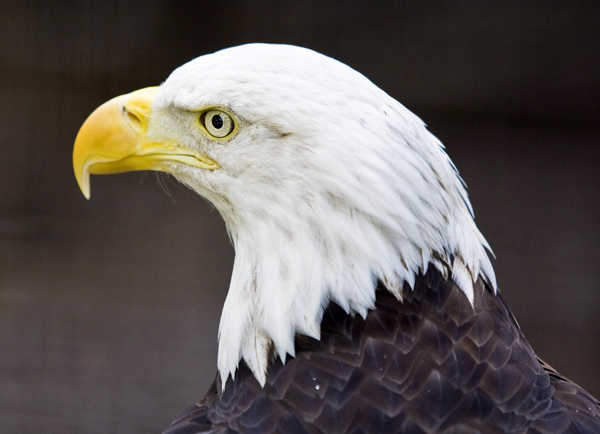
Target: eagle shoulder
<point>432,362</point>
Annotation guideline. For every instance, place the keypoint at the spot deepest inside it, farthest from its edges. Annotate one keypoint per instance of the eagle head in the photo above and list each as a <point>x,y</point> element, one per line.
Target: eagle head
<point>327,186</point>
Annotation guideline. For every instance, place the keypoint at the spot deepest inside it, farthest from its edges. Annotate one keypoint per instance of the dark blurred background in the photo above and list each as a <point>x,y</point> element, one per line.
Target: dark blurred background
<point>109,308</point>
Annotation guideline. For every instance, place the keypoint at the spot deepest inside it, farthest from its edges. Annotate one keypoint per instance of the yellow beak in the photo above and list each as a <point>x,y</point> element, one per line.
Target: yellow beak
<point>114,139</point>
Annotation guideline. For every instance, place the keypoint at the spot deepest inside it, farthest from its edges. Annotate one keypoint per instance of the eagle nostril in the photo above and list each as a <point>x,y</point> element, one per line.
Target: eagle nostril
<point>133,119</point>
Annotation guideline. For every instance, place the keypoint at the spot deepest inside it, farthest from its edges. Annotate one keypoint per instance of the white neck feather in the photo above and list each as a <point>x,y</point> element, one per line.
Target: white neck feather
<point>355,190</point>
<point>307,242</point>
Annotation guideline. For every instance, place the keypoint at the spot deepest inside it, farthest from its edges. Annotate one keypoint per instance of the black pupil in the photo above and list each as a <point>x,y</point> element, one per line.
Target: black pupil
<point>217,121</point>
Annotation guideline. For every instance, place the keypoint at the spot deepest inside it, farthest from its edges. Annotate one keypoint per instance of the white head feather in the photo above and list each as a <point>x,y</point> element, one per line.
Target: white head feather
<point>328,186</point>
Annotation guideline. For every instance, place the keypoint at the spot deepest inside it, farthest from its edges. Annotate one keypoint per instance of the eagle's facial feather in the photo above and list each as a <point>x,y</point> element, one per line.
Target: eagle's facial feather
<point>327,186</point>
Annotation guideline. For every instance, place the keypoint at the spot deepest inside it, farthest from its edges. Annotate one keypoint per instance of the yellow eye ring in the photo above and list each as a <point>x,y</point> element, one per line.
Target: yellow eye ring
<point>218,123</point>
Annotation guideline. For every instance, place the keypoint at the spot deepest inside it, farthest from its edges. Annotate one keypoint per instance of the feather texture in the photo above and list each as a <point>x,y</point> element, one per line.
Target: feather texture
<point>433,363</point>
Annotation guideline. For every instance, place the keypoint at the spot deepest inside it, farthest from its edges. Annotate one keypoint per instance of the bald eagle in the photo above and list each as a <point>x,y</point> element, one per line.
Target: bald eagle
<point>362,298</point>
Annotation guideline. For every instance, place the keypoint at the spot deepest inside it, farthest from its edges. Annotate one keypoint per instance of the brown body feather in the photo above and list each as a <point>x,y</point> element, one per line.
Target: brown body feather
<point>430,363</point>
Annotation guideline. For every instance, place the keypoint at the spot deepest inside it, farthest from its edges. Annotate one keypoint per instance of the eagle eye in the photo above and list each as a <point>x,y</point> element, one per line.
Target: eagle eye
<point>218,123</point>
